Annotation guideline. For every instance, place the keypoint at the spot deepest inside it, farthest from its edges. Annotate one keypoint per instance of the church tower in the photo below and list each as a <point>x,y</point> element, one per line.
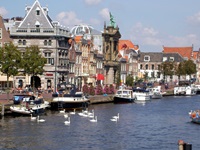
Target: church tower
<point>111,36</point>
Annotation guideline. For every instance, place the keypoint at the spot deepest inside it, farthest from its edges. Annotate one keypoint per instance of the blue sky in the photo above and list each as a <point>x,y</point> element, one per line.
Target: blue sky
<point>149,23</point>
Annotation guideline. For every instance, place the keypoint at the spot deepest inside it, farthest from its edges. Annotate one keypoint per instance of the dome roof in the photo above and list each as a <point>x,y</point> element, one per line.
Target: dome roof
<point>81,29</point>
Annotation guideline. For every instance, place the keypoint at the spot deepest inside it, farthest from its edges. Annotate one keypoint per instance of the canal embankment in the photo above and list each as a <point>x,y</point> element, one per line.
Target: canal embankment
<point>7,100</point>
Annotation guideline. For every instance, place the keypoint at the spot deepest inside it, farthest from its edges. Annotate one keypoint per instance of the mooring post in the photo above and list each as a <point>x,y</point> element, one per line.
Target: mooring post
<point>2,110</point>
<point>180,144</point>
<point>184,146</point>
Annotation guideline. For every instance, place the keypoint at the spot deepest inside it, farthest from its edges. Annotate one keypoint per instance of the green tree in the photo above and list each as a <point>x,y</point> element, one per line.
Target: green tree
<point>118,78</point>
<point>10,60</point>
<point>145,76</point>
<point>33,62</point>
<point>180,70</point>
<point>129,80</point>
<point>190,67</point>
<point>167,69</point>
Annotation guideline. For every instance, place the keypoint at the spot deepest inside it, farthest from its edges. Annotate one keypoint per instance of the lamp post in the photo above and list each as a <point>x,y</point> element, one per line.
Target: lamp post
<point>55,78</point>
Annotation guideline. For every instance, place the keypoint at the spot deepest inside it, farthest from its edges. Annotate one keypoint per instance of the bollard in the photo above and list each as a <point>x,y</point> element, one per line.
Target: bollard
<point>180,144</point>
<point>2,111</point>
<point>187,146</point>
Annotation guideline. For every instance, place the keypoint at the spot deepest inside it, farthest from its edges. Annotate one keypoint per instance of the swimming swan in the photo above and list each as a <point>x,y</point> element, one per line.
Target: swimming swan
<point>40,120</point>
<point>116,117</point>
<point>33,118</point>
<point>67,122</point>
<point>94,119</point>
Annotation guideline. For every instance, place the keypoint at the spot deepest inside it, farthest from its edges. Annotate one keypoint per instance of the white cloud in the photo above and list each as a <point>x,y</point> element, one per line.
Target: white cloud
<point>187,40</point>
<point>92,2</point>
<point>195,18</point>
<point>105,13</point>
<point>145,35</point>
<point>3,11</point>
<point>68,19</point>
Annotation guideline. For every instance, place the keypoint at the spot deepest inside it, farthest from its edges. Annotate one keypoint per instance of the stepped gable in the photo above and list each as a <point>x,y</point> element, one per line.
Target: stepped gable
<point>186,52</point>
<point>4,33</point>
<point>36,16</point>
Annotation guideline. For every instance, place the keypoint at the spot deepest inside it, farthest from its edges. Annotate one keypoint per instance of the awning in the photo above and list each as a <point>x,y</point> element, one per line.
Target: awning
<point>100,77</point>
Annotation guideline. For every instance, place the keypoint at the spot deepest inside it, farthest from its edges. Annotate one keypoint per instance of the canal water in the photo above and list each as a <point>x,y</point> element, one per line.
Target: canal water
<point>155,125</point>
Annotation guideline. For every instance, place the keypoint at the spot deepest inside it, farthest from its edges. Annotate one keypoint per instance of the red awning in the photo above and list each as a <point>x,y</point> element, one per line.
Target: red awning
<point>100,77</point>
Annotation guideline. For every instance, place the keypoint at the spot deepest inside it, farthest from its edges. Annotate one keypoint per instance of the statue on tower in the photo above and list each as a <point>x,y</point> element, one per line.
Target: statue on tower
<point>112,21</point>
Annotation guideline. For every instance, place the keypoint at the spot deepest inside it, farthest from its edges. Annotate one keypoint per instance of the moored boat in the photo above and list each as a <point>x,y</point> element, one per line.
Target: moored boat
<point>141,95</point>
<point>28,104</point>
<point>155,92</point>
<point>123,96</point>
<point>68,98</point>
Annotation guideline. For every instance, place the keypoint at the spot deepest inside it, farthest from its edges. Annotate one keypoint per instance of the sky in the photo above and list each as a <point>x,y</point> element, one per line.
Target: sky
<point>151,24</point>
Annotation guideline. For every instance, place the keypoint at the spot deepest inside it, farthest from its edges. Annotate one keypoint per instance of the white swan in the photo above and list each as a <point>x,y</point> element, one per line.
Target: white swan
<point>94,119</point>
<point>91,115</point>
<point>66,115</point>
<point>33,118</point>
<point>73,112</point>
<point>40,120</point>
<point>81,113</point>
<point>62,111</point>
<point>67,122</point>
<point>85,111</point>
<point>116,117</point>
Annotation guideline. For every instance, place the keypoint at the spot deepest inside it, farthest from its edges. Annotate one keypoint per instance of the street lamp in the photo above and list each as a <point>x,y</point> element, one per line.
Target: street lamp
<point>55,78</point>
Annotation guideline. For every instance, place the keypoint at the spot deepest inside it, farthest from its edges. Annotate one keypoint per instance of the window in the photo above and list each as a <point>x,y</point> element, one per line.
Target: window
<point>45,42</point>
<point>146,67</point>
<point>37,11</point>
<point>141,66</point>
<point>20,42</point>
<point>171,58</point>
<point>0,33</point>
<point>50,60</point>
<point>50,42</point>
<point>146,58</point>
<point>164,59</point>
<point>152,67</point>
<point>24,42</point>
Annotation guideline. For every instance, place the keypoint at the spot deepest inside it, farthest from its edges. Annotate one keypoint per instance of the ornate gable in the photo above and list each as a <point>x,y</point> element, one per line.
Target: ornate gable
<point>36,16</point>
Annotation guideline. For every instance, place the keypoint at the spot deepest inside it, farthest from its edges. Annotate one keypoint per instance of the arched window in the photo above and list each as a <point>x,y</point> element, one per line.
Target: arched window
<point>146,67</point>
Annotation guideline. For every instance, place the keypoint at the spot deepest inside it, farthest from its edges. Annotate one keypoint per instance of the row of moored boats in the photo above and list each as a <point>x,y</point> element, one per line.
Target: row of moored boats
<point>137,95</point>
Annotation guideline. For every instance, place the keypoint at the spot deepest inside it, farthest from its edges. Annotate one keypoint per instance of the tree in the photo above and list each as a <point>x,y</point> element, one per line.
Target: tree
<point>167,69</point>
<point>180,70</point>
<point>145,76</point>
<point>129,80</point>
<point>33,62</point>
<point>10,60</point>
<point>190,67</point>
<point>187,67</point>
